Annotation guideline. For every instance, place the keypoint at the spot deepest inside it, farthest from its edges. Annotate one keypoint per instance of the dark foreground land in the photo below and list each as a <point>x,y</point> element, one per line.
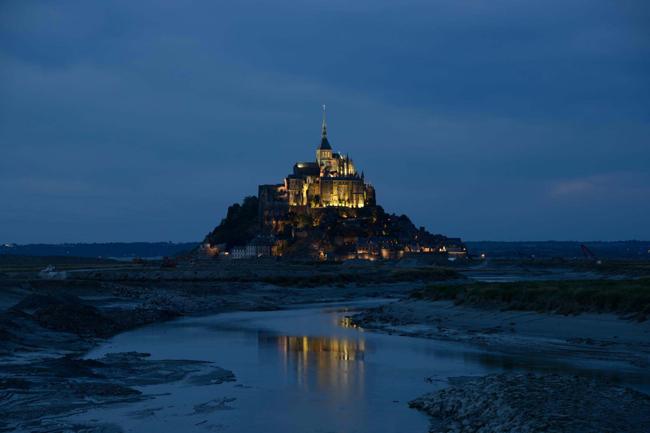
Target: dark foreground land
<point>50,321</point>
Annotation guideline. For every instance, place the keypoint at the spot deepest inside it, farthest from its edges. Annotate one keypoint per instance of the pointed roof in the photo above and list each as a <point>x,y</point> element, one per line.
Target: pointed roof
<point>324,143</point>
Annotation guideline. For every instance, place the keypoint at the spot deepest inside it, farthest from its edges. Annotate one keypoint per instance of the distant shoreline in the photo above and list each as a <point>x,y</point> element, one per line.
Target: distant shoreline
<point>628,249</point>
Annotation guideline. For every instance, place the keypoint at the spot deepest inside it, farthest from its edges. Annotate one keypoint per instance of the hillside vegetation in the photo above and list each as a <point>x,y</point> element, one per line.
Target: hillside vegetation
<point>239,226</point>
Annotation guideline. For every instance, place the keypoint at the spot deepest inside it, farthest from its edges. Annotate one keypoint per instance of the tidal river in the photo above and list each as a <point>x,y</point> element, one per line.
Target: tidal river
<point>298,370</point>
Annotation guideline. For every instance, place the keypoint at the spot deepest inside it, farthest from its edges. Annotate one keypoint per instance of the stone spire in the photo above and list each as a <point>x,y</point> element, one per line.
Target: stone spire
<point>324,143</point>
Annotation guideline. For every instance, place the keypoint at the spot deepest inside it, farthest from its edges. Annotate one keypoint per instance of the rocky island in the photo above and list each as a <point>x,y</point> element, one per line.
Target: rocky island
<point>324,210</point>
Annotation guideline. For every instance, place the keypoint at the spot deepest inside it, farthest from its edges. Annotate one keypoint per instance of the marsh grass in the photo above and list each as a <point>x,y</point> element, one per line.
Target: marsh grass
<point>564,297</point>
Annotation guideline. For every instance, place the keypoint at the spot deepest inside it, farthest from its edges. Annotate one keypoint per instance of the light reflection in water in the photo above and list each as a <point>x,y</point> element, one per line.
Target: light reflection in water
<point>346,322</point>
<point>322,363</point>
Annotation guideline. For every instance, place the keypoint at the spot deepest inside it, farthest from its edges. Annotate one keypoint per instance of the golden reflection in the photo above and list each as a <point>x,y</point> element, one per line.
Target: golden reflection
<point>347,322</point>
<point>323,362</point>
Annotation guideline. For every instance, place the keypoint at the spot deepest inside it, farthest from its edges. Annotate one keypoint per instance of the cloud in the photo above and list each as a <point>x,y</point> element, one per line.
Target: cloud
<point>633,187</point>
<point>572,188</point>
<point>481,121</point>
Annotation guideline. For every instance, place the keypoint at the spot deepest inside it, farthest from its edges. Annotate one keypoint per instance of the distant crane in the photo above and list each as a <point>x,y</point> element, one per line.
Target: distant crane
<point>589,254</point>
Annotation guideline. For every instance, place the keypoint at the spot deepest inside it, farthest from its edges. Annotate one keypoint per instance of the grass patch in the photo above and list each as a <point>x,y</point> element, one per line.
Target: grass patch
<point>564,297</point>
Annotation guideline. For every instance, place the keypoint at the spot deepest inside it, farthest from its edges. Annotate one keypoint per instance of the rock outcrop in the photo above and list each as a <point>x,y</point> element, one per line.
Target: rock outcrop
<point>526,403</point>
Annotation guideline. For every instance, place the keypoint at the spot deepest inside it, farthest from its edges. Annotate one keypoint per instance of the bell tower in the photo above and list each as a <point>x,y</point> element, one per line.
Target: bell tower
<point>324,151</point>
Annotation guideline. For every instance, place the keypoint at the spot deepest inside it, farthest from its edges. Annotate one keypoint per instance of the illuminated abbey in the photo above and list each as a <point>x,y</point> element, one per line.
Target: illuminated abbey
<point>332,180</point>
<point>323,210</point>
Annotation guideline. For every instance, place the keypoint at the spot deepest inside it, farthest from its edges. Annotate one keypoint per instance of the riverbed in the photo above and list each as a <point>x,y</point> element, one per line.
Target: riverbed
<point>303,370</point>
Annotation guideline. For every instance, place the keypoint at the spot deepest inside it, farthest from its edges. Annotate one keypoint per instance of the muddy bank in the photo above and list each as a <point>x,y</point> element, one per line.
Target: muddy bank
<point>44,378</point>
<point>544,401</point>
<point>599,337</point>
<point>37,393</point>
<point>50,325</point>
<point>535,403</point>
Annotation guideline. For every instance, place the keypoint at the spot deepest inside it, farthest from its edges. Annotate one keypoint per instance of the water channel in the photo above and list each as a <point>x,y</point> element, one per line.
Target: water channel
<point>302,370</point>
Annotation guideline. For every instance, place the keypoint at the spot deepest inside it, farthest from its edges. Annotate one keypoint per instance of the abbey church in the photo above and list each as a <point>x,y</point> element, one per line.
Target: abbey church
<point>332,180</point>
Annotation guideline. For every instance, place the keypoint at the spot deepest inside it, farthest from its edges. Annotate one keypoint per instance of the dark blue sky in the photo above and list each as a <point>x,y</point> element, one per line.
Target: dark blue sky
<point>504,120</point>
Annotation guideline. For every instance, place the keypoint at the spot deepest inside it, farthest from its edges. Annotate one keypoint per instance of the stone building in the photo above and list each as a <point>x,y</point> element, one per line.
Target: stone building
<point>260,246</point>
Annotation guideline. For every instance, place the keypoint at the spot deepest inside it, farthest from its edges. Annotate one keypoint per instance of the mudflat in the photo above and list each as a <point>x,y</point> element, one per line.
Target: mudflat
<point>48,324</point>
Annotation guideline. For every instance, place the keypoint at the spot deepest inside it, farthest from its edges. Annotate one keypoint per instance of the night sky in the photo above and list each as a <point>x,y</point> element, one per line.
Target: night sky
<point>503,120</point>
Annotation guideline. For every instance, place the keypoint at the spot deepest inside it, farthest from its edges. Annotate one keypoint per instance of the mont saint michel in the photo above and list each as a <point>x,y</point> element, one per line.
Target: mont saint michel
<point>323,210</point>
<point>191,243</point>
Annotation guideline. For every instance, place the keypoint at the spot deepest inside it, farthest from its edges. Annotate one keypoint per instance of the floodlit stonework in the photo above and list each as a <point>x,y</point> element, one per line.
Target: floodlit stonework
<point>330,181</point>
